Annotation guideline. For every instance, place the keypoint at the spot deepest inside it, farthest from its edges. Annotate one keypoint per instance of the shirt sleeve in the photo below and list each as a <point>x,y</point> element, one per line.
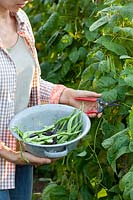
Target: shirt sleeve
<point>49,92</point>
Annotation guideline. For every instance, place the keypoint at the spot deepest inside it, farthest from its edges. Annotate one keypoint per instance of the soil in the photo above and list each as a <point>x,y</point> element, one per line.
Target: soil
<point>38,186</point>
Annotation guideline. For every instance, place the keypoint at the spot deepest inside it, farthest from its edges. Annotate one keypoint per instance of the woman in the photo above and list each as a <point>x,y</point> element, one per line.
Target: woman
<point>21,86</point>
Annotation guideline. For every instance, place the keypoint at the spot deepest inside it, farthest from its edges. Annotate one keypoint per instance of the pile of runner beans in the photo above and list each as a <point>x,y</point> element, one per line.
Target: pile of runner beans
<point>63,130</point>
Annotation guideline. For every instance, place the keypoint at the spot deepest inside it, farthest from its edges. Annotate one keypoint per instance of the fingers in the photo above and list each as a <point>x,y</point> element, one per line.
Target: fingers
<point>85,93</point>
<point>99,115</point>
<point>34,160</point>
<point>24,158</point>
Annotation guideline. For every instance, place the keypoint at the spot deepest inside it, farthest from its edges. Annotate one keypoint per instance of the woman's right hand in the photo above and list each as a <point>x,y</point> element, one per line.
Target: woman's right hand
<point>22,158</point>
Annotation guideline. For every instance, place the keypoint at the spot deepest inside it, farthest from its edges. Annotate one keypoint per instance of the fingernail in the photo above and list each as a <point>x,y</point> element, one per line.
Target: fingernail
<point>49,161</point>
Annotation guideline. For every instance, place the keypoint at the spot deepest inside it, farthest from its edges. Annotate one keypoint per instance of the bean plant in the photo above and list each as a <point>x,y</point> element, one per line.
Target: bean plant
<point>88,44</point>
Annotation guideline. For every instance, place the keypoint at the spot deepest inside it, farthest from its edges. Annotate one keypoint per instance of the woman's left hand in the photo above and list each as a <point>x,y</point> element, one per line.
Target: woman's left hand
<point>68,97</point>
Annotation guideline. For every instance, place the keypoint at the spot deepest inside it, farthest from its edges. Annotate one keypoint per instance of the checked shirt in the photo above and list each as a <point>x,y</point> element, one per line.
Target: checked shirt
<point>41,92</point>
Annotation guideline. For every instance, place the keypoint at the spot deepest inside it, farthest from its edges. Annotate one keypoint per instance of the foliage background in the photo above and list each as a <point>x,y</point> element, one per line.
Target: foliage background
<point>88,44</point>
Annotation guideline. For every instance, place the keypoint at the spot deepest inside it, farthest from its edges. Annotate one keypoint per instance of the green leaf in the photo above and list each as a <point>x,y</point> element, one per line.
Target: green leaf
<point>117,146</point>
<point>131,121</point>
<point>114,153</point>
<point>129,80</point>
<point>127,11</point>
<point>73,193</point>
<point>90,36</point>
<point>99,55</point>
<point>85,193</point>
<point>106,82</point>
<point>55,192</point>
<point>131,129</point>
<point>115,189</point>
<point>88,76</point>
<point>82,154</point>
<point>82,53</point>
<point>74,55</point>
<point>126,185</point>
<point>110,95</point>
<point>126,31</point>
<point>108,2</point>
<point>116,197</point>
<point>131,146</point>
<point>109,129</point>
<point>100,22</point>
<point>112,46</point>
<point>131,194</point>
<point>37,18</point>
<point>109,142</point>
<point>50,25</point>
<point>103,66</point>
<point>102,193</point>
<point>65,41</point>
<point>65,68</point>
<point>112,8</point>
